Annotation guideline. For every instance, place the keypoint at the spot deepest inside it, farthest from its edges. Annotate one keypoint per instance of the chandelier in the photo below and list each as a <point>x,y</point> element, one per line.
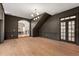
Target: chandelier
<point>35,14</point>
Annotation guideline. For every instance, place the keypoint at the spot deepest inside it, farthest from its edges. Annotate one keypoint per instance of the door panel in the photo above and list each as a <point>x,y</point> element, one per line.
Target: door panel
<point>71,31</point>
<point>63,30</point>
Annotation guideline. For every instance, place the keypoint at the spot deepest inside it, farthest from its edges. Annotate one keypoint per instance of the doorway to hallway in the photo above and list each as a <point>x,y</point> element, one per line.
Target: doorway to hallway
<point>23,28</point>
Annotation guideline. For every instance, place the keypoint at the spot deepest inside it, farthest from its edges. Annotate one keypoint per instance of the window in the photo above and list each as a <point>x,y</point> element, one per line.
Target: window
<point>71,17</point>
<point>67,18</point>
<point>62,18</point>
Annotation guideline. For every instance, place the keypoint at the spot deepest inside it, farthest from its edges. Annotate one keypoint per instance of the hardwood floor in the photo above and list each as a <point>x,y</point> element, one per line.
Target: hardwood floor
<point>29,46</point>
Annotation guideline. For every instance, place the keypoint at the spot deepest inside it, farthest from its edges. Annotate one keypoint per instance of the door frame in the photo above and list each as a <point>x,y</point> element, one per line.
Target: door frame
<point>28,27</point>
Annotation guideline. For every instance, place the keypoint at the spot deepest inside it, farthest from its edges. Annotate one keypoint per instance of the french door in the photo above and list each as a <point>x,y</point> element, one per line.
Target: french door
<point>71,31</point>
<point>63,30</point>
<point>67,30</point>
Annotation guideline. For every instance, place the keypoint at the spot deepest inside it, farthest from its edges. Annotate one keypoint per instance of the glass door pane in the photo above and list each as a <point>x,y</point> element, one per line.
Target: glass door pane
<point>63,30</point>
<point>71,31</point>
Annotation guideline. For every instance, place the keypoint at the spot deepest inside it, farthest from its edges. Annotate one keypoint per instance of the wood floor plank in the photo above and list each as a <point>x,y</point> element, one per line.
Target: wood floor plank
<point>37,46</point>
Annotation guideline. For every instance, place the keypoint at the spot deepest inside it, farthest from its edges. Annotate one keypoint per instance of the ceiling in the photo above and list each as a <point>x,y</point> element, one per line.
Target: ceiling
<point>26,9</point>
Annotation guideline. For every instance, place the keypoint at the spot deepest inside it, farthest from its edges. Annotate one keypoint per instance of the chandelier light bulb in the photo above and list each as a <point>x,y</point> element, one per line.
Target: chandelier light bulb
<point>38,16</point>
<point>37,13</point>
<point>34,19</point>
<point>32,15</point>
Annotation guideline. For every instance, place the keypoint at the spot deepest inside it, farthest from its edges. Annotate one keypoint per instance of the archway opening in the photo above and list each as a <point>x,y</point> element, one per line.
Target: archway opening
<point>23,28</point>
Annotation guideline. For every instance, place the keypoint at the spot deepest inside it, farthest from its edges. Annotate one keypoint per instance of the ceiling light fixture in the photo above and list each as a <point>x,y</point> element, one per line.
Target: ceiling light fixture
<point>35,14</point>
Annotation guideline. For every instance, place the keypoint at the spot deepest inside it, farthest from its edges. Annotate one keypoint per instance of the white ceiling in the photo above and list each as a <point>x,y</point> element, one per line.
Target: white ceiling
<point>26,9</point>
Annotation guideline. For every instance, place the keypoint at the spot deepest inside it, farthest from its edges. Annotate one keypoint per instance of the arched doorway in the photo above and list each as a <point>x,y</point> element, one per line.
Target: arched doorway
<point>23,28</point>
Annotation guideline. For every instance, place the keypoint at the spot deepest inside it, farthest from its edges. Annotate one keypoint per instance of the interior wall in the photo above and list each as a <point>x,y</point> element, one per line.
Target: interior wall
<point>1,28</point>
<point>11,26</point>
<point>51,28</point>
<point>1,23</point>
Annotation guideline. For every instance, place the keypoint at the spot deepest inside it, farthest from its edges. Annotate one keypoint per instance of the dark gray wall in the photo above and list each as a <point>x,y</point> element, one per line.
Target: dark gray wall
<point>50,28</point>
<point>11,26</point>
<point>1,23</point>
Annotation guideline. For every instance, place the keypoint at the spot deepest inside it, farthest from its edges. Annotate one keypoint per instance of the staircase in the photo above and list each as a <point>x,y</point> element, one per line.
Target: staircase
<point>36,25</point>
